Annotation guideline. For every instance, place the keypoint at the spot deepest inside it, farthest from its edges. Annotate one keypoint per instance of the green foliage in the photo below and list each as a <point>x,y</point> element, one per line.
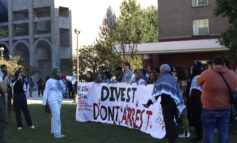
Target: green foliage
<point>100,53</point>
<point>228,8</point>
<point>15,63</point>
<point>3,33</point>
<point>135,25</point>
<point>88,59</point>
<point>12,65</point>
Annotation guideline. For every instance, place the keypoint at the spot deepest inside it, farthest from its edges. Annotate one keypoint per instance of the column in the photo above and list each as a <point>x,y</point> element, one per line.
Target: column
<point>10,28</point>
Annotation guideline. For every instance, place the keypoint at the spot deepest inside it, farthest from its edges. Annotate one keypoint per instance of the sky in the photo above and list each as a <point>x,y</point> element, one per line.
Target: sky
<point>90,14</point>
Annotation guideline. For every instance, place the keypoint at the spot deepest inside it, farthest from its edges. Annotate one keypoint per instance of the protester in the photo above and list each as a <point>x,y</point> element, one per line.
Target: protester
<point>31,83</point>
<point>153,77</point>
<point>195,101</point>
<point>128,75</point>
<point>210,64</point>
<point>181,77</point>
<point>150,68</point>
<point>171,99</point>
<point>3,71</point>
<point>5,96</point>
<point>40,88</point>
<point>3,90</point>
<point>119,74</point>
<point>70,89</point>
<point>156,71</point>
<point>20,101</point>
<point>140,78</point>
<point>53,93</point>
<point>107,78</point>
<point>100,74</point>
<point>89,76</point>
<point>146,76</point>
<point>216,100</point>
<point>26,85</point>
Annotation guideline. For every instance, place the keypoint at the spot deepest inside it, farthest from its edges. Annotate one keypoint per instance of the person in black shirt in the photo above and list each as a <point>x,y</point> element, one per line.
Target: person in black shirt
<point>40,87</point>
<point>20,102</point>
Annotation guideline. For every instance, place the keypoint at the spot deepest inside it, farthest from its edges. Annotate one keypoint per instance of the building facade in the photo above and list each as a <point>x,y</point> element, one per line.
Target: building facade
<point>40,32</point>
<point>188,32</point>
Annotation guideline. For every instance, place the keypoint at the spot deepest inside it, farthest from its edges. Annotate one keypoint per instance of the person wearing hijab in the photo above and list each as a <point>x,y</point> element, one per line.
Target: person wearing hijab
<point>53,93</point>
<point>171,100</point>
<point>20,101</point>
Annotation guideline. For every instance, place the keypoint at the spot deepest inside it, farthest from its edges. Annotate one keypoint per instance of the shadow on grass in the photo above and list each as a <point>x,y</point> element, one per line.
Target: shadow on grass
<point>88,132</point>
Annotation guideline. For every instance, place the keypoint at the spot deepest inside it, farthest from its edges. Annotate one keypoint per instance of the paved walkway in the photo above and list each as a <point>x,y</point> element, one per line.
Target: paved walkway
<point>36,99</point>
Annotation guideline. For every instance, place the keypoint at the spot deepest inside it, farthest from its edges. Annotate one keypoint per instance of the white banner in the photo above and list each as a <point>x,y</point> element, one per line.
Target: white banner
<point>120,104</point>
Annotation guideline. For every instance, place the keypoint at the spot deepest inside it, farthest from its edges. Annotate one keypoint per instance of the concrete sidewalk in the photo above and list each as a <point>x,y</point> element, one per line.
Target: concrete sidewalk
<point>36,99</point>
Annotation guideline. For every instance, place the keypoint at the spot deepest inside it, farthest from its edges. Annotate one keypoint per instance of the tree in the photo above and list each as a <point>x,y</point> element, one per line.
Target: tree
<point>3,33</point>
<point>15,63</point>
<point>88,59</point>
<point>228,9</point>
<point>100,53</point>
<point>135,25</point>
<point>103,46</point>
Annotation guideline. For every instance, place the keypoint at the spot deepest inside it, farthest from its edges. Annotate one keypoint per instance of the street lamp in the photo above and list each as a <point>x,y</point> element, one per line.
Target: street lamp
<point>77,32</point>
<point>2,50</point>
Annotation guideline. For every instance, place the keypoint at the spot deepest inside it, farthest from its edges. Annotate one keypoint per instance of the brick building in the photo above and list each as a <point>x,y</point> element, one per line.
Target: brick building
<point>188,32</point>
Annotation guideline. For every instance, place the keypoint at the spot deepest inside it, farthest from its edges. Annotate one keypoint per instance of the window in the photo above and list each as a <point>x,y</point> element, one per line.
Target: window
<point>42,27</point>
<point>21,29</point>
<point>63,12</point>
<point>201,27</point>
<point>64,37</point>
<point>20,15</point>
<point>42,12</point>
<point>196,3</point>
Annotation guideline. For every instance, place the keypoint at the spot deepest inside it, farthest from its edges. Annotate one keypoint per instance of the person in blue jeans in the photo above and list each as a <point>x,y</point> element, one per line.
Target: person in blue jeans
<point>215,99</point>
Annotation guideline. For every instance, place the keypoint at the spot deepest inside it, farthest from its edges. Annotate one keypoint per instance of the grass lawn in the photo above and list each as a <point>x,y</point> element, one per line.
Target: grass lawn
<point>76,132</point>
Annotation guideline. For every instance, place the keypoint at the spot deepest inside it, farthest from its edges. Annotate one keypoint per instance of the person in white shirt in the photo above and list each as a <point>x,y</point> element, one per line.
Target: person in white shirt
<point>53,94</point>
<point>128,75</point>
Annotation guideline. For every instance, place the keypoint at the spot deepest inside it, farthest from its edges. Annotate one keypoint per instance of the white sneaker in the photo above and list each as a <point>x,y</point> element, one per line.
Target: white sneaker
<point>32,127</point>
<point>184,135</point>
<point>59,136</point>
<point>19,128</point>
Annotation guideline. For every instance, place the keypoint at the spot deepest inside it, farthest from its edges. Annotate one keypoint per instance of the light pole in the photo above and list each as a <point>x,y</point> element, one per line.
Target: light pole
<point>77,32</point>
<point>2,50</point>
